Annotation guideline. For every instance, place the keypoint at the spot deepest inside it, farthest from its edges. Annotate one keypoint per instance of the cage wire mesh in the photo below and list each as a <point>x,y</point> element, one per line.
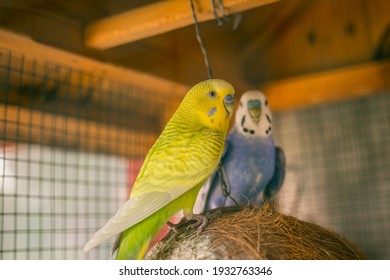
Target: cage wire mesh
<point>338,163</point>
<point>71,142</point>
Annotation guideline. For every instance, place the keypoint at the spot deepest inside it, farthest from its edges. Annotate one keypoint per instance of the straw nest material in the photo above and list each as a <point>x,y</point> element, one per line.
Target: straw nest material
<point>254,233</point>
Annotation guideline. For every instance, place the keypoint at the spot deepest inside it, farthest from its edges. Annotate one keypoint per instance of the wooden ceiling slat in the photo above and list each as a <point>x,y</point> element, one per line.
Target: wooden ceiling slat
<point>156,18</point>
<point>330,86</point>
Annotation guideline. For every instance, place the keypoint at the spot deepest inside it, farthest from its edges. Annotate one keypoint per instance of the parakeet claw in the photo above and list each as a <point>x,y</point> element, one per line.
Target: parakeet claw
<point>201,222</point>
<point>175,227</point>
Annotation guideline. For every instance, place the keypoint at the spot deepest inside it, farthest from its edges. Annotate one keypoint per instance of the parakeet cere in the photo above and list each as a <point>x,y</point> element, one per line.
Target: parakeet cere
<point>180,161</point>
<point>254,167</point>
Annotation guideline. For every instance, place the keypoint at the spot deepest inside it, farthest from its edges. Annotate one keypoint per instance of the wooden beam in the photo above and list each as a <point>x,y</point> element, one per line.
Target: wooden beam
<point>156,18</point>
<point>331,86</point>
<point>23,125</point>
<point>23,45</point>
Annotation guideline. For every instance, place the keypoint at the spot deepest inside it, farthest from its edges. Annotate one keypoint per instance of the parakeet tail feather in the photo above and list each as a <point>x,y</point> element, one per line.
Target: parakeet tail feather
<point>135,241</point>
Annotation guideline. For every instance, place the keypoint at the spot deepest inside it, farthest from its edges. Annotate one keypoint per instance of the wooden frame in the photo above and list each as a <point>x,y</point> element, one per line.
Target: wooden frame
<point>330,86</point>
<point>154,19</point>
<point>24,125</point>
<point>33,50</point>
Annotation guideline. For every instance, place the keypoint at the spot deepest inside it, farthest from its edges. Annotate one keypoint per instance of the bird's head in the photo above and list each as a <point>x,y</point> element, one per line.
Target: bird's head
<point>253,115</point>
<point>212,101</point>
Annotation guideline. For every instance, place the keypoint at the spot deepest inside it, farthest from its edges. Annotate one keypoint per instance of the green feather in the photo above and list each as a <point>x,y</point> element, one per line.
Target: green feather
<point>135,241</point>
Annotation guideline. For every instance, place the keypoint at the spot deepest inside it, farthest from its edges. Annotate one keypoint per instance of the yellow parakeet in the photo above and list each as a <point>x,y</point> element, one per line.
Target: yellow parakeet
<point>180,161</point>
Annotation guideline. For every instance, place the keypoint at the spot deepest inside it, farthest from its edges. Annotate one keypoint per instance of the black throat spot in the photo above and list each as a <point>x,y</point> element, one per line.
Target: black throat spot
<point>243,121</point>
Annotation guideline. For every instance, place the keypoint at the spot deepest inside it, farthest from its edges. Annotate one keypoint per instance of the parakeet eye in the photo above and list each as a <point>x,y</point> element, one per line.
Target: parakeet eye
<point>266,102</point>
<point>212,94</point>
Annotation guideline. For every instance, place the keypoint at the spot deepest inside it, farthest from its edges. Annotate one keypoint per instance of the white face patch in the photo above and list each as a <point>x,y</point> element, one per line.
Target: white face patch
<point>253,115</point>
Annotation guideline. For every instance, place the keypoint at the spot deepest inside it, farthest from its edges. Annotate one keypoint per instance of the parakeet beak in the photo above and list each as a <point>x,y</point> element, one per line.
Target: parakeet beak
<point>228,102</point>
<point>254,108</point>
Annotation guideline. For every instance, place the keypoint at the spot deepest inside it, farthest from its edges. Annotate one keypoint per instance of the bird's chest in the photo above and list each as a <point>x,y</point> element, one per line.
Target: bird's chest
<point>251,162</point>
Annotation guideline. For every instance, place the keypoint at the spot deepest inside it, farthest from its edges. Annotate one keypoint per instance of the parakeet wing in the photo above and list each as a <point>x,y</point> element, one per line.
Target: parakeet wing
<point>132,212</point>
<point>163,179</point>
<point>277,180</point>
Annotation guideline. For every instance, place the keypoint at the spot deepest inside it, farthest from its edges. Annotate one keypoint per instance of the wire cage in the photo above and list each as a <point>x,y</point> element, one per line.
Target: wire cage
<point>338,162</point>
<point>71,143</point>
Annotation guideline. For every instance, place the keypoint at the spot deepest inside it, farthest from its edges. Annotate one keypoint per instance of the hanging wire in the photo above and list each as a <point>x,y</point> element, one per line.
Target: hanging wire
<point>225,185</point>
<point>237,20</point>
<point>200,40</point>
<point>217,4</point>
<point>220,18</point>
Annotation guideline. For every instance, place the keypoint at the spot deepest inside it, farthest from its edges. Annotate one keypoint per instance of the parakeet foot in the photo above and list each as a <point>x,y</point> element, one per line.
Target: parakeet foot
<point>201,222</point>
<point>175,227</point>
<point>172,227</point>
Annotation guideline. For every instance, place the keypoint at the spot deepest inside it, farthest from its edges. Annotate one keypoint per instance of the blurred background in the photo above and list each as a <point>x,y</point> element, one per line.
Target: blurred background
<point>87,86</point>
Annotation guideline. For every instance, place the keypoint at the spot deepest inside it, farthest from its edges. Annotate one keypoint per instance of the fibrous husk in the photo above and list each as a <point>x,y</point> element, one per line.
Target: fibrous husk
<point>254,233</point>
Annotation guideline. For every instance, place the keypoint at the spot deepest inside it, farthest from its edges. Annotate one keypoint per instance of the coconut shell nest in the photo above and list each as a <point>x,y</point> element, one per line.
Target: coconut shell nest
<point>253,233</point>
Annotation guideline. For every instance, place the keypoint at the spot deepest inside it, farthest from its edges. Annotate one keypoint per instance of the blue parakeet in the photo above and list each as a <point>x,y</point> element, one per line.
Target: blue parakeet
<point>254,167</point>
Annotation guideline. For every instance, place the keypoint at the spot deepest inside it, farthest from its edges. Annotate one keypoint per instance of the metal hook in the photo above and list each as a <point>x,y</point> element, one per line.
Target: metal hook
<point>220,18</point>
